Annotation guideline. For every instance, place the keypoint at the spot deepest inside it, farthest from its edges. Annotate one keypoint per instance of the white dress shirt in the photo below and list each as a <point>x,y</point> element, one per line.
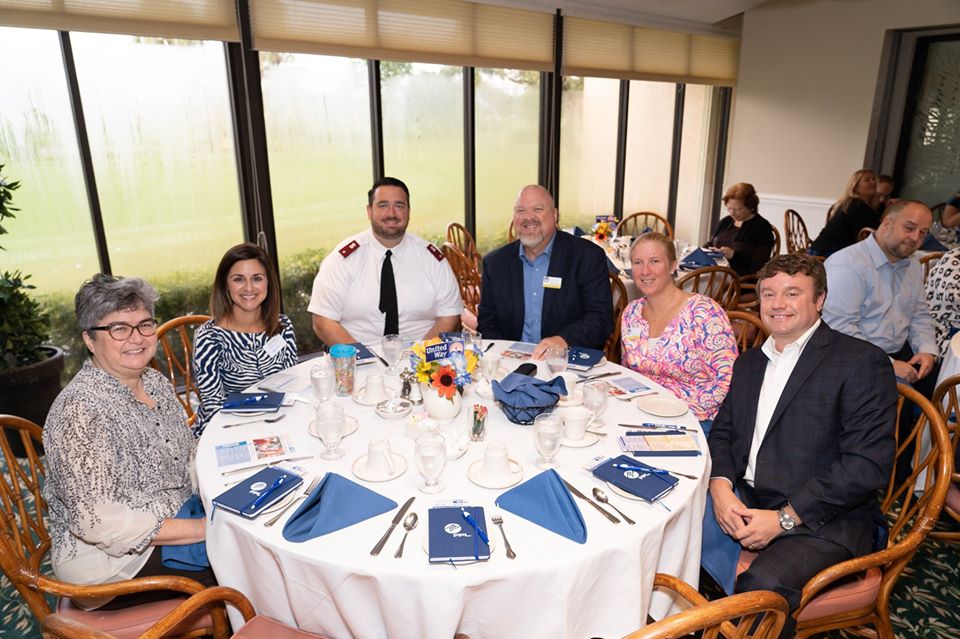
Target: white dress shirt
<point>779,368</point>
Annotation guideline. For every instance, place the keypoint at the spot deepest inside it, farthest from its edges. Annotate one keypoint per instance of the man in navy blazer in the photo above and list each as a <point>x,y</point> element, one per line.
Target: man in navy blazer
<point>547,287</point>
<point>802,443</point>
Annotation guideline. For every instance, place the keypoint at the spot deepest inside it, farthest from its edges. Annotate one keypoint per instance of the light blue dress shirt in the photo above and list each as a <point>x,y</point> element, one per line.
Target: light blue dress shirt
<point>878,301</point>
<point>533,273</point>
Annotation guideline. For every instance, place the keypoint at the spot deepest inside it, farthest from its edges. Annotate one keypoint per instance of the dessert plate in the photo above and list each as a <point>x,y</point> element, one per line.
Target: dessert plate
<point>662,405</point>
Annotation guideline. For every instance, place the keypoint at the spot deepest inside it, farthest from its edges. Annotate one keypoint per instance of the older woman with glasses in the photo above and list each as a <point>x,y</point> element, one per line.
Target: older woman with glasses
<point>119,452</point>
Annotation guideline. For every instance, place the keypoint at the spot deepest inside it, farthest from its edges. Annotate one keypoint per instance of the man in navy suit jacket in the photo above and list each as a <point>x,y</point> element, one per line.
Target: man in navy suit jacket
<point>802,443</point>
<point>547,287</point>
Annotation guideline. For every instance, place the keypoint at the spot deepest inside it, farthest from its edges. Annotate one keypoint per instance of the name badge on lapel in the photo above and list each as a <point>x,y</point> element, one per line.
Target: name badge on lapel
<point>552,282</point>
<point>274,345</point>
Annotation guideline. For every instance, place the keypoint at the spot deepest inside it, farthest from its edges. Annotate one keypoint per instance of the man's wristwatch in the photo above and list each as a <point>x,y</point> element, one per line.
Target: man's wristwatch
<point>786,521</point>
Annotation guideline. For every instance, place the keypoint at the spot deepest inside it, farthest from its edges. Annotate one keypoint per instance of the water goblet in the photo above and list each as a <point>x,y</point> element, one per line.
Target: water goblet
<point>323,381</point>
<point>392,347</point>
<point>556,357</point>
<point>595,394</point>
<point>473,338</point>
<point>430,451</point>
<point>547,435</point>
<point>330,424</point>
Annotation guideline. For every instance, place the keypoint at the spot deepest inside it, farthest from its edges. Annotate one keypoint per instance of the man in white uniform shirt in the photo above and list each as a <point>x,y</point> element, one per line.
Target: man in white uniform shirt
<point>800,446</point>
<point>384,280</point>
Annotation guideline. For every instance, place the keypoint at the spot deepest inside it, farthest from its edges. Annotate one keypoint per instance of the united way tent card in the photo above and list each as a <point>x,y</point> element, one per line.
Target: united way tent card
<point>519,350</point>
<point>455,537</point>
<point>626,387</point>
<point>442,350</point>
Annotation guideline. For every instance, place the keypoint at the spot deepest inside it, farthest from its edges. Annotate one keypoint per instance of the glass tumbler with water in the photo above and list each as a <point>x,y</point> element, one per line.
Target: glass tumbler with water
<point>392,347</point>
<point>556,357</point>
<point>322,379</point>
<point>431,455</point>
<point>330,424</point>
<point>595,394</point>
<point>547,436</point>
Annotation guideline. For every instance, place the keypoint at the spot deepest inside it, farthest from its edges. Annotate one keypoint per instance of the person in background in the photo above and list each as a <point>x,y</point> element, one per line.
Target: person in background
<point>744,237</point>
<point>951,212</point>
<point>119,454</point>
<point>248,339</point>
<point>547,287</point>
<point>384,281</point>
<point>884,193</point>
<point>852,212</point>
<point>680,340</point>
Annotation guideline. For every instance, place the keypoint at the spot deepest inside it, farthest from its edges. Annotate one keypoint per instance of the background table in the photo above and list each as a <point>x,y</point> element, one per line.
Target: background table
<point>555,587</point>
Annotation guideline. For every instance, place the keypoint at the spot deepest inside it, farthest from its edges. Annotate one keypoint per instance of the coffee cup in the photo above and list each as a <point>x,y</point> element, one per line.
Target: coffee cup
<point>375,390</point>
<point>496,463</point>
<point>575,422</point>
<point>379,458</point>
<point>570,381</point>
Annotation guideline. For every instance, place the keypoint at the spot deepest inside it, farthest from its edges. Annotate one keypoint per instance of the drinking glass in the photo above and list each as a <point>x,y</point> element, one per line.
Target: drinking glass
<point>473,338</point>
<point>431,455</point>
<point>547,434</point>
<point>392,347</point>
<point>322,380</point>
<point>330,423</point>
<point>595,394</point>
<point>490,366</point>
<point>557,359</point>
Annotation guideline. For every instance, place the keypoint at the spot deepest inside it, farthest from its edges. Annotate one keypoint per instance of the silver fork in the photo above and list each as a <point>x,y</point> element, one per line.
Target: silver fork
<point>276,518</point>
<point>498,521</point>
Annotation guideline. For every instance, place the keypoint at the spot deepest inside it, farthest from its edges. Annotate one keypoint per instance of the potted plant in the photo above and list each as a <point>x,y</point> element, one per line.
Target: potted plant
<point>29,370</point>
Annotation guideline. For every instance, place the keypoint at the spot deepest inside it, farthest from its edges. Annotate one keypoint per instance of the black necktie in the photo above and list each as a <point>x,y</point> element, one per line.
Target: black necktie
<point>388,298</point>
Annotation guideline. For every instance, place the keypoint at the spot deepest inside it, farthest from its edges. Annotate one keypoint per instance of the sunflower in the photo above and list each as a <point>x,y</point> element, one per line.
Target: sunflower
<point>443,380</point>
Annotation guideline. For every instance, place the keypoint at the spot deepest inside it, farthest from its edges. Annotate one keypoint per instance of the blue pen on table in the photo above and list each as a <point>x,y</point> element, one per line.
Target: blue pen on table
<point>655,471</point>
<point>473,522</point>
<point>273,487</point>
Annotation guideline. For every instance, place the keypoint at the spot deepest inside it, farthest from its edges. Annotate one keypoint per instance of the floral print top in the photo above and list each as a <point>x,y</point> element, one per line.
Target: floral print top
<point>693,356</point>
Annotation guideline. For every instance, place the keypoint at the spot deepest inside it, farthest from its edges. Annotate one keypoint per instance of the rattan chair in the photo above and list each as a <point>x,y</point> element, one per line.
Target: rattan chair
<point>176,344</point>
<point>635,223</point>
<point>731,617</point>
<point>864,233</point>
<point>510,236</point>
<point>719,283</point>
<point>797,238</point>
<point>748,329</point>
<point>945,399</point>
<point>24,541</point>
<point>856,592</point>
<point>928,261</point>
<point>619,292</point>
<point>775,251</point>
<point>468,279</point>
<point>459,236</point>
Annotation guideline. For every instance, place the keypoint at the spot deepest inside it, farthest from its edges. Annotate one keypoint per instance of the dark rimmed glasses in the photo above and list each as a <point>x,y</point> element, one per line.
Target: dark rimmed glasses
<point>121,331</point>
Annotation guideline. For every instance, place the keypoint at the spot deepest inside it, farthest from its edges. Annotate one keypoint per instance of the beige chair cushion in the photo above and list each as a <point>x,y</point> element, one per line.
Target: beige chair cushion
<point>131,622</point>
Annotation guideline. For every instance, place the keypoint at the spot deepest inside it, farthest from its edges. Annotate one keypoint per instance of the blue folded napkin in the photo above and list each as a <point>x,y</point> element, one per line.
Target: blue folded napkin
<point>192,557</point>
<point>545,501</point>
<point>523,391</point>
<point>932,244</point>
<point>577,231</point>
<point>336,503</point>
<point>698,258</point>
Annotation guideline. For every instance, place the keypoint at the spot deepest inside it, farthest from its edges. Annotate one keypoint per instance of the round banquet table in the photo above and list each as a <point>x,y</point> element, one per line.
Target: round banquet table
<point>555,587</point>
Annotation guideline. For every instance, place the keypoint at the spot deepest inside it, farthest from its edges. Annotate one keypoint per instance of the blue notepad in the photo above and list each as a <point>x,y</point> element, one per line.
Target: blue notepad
<point>581,358</point>
<point>259,402</point>
<point>241,498</point>
<point>364,354</point>
<point>452,538</point>
<point>648,486</point>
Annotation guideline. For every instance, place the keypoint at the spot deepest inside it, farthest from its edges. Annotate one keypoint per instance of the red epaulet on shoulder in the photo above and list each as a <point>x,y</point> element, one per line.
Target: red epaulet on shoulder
<point>437,253</point>
<point>348,249</point>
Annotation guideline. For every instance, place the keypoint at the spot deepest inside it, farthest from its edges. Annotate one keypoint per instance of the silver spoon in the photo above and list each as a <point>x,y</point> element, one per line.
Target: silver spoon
<point>409,523</point>
<point>254,421</point>
<point>601,496</point>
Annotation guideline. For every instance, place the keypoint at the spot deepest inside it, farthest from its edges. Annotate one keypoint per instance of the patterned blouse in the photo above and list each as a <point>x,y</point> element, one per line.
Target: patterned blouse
<point>943,296</point>
<point>115,470</point>
<point>692,357</point>
<point>228,361</point>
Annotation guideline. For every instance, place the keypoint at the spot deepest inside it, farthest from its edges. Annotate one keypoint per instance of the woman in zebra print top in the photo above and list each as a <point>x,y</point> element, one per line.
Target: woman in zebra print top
<point>247,339</point>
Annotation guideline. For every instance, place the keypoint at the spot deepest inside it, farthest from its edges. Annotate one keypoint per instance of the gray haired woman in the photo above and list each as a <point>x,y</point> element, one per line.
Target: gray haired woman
<point>119,452</point>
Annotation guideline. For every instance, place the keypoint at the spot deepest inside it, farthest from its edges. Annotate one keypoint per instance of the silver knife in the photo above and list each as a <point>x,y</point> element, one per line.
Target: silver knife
<point>393,524</point>
<point>576,492</point>
<point>592,377</point>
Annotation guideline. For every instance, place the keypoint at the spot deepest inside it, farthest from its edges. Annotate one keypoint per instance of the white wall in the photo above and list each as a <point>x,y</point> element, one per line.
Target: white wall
<point>805,91</point>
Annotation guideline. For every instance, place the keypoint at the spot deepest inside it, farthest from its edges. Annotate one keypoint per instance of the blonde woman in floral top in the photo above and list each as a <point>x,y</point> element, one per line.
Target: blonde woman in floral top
<point>680,340</point>
<point>118,450</point>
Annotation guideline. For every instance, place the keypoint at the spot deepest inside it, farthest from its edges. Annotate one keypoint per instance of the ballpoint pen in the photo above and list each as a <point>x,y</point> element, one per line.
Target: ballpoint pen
<point>655,471</point>
<point>473,522</point>
<point>664,427</point>
<point>269,491</point>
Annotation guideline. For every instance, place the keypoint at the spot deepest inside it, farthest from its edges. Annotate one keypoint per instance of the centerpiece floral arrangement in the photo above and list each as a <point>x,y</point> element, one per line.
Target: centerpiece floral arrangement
<point>445,367</point>
<point>603,230</point>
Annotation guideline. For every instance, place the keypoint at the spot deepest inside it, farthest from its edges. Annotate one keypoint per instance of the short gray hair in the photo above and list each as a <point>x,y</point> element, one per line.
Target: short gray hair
<point>104,294</point>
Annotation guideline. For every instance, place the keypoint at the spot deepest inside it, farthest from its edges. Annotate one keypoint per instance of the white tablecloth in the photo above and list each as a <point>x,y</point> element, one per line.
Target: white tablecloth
<point>555,587</point>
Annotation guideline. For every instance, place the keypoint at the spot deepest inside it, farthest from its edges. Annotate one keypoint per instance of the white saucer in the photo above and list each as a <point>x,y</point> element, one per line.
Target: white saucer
<point>458,453</point>
<point>567,400</point>
<point>350,427</point>
<point>589,439</point>
<point>360,396</point>
<point>282,503</point>
<point>662,405</point>
<point>394,408</point>
<point>516,474</point>
<point>360,465</point>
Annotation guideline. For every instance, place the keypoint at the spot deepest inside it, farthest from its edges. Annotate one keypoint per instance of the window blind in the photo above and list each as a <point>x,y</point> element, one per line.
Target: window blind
<point>200,19</point>
<point>438,31</point>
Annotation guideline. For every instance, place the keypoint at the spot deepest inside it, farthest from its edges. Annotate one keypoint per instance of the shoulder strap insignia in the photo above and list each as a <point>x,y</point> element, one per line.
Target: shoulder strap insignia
<point>437,253</point>
<point>348,249</point>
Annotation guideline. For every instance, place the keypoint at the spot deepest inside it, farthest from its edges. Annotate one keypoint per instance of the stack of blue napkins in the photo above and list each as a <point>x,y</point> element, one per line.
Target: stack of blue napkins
<point>545,501</point>
<point>524,391</point>
<point>336,503</point>
<point>192,557</point>
<point>698,258</point>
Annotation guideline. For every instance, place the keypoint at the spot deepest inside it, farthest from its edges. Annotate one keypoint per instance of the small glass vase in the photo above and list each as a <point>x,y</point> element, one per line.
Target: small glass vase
<point>438,407</point>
